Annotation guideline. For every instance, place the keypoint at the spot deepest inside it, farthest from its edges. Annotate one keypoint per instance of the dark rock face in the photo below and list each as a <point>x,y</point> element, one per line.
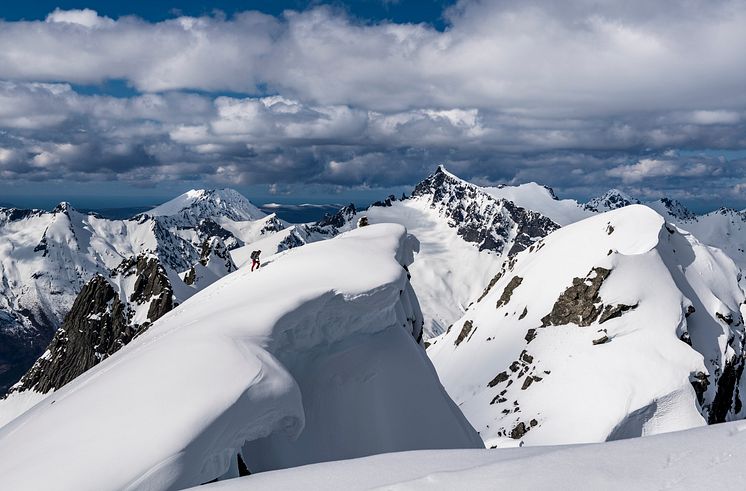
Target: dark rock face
<point>492,283</point>
<point>519,430</point>
<point>614,311</point>
<point>21,346</point>
<point>95,328</point>
<point>480,218</point>
<point>339,219</point>
<point>99,324</point>
<point>468,325</point>
<point>214,249</point>
<point>611,200</point>
<point>387,202</point>
<point>290,242</point>
<point>327,227</point>
<point>152,283</point>
<point>499,378</point>
<point>602,340</point>
<point>678,210</point>
<point>209,228</point>
<point>273,224</point>
<point>727,398</point>
<point>514,283</point>
<point>579,304</point>
<point>699,382</point>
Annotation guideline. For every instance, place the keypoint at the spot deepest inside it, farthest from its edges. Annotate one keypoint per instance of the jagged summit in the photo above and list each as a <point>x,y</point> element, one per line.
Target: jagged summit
<point>210,202</point>
<point>673,208</point>
<point>63,207</point>
<point>610,200</point>
<point>492,223</point>
<point>437,181</point>
<point>339,219</point>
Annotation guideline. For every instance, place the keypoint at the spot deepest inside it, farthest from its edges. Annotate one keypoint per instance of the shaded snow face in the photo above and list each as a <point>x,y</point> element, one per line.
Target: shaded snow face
<point>328,369</point>
<point>632,323</point>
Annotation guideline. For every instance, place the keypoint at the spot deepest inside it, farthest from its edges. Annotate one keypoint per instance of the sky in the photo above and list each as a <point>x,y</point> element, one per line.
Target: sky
<point>124,103</point>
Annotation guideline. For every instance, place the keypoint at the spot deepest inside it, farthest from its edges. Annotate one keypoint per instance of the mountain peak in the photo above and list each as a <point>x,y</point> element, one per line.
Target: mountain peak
<point>210,202</point>
<point>63,207</point>
<point>676,209</point>
<point>610,200</point>
<point>438,182</point>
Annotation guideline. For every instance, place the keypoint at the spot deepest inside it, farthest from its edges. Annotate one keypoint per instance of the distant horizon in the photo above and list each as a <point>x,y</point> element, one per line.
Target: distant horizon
<point>102,203</point>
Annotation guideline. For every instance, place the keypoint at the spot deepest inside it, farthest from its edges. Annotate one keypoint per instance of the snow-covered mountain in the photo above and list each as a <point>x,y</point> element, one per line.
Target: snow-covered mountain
<point>630,321</point>
<point>611,200</point>
<point>541,199</point>
<point>326,370</point>
<point>209,203</point>
<point>724,228</point>
<point>46,258</point>
<point>465,233</point>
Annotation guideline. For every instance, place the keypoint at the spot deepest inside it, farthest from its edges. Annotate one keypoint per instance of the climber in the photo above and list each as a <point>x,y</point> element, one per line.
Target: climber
<point>362,222</point>
<point>255,260</point>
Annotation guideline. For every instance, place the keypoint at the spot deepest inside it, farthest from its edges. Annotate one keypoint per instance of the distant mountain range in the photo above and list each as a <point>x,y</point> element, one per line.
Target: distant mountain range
<point>629,313</point>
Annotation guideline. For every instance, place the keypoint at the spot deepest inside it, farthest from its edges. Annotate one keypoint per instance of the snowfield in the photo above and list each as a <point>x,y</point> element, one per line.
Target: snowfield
<point>598,333</point>
<point>701,458</point>
<point>314,357</point>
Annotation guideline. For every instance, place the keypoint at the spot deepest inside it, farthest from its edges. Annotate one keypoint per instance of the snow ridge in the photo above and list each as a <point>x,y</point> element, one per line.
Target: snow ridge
<point>255,378</point>
<point>633,297</point>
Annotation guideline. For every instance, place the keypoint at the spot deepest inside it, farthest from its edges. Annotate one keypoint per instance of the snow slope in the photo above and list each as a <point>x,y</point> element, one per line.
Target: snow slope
<point>631,323</point>
<point>701,458</point>
<point>541,199</point>
<point>724,228</point>
<point>302,361</point>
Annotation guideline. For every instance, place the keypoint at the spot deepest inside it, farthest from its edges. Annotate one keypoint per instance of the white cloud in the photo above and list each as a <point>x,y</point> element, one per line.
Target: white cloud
<point>528,56</point>
<point>85,17</point>
<point>648,168</point>
<point>510,91</point>
<point>715,117</point>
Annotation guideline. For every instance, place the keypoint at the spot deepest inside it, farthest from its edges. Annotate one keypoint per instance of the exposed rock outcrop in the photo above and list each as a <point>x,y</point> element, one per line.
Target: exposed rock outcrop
<point>492,224</point>
<point>101,322</point>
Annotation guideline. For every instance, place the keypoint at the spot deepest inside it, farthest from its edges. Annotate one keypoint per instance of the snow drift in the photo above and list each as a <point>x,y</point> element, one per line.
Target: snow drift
<point>616,326</point>
<point>701,458</point>
<point>314,357</point>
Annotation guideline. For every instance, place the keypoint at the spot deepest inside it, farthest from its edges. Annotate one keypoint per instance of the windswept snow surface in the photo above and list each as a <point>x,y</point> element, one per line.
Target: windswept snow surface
<point>449,272</point>
<point>596,333</point>
<point>701,458</point>
<point>313,357</point>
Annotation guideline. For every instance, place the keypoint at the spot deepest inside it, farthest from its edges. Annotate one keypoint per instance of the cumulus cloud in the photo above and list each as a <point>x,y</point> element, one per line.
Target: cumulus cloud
<point>581,95</point>
<point>85,17</point>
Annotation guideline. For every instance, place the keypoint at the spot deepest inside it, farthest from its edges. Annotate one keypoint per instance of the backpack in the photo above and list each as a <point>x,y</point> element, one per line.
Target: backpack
<point>255,255</point>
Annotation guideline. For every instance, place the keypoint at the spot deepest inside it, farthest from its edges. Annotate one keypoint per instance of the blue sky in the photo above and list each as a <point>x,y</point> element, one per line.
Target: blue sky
<point>128,103</point>
<point>429,11</point>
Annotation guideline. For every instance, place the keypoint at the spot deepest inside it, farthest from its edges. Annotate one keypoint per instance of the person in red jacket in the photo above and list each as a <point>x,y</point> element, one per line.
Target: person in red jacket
<point>255,260</point>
